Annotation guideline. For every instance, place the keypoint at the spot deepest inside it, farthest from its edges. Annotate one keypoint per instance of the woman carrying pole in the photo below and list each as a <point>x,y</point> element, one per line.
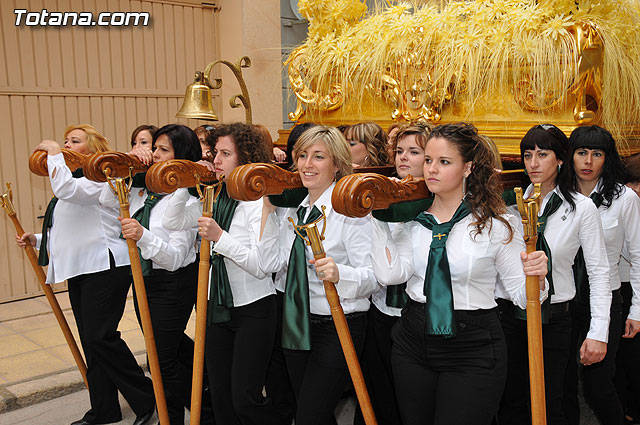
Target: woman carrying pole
<point>242,306</point>
<point>567,221</point>
<point>449,355</point>
<point>387,303</point>
<point>80,244</point>
<point>312,349</point>
<point>169,269</point>
<point>596,171</point>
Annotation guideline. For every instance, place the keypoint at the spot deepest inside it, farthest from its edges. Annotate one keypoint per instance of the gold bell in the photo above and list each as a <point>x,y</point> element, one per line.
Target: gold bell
<point>197,100</point>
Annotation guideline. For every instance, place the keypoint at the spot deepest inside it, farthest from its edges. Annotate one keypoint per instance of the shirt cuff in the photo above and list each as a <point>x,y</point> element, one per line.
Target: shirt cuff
<point>634,313</point>
<point>599,330</point>
<point>146,239</point>
<point>224,245</point>
<point>347,286</point>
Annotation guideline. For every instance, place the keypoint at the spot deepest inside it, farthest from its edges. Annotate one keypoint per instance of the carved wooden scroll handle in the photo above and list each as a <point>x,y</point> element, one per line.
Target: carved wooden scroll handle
<point>113,164</point>
<point>38,161</point>
<point>168,176</point>
<point>250,182</point>
<point>356,195</point>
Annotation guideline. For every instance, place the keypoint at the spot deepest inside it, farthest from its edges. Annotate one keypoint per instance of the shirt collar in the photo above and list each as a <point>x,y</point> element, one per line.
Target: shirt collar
<point>555,190</point>
<point>598,187</point>
<point>324,199</point>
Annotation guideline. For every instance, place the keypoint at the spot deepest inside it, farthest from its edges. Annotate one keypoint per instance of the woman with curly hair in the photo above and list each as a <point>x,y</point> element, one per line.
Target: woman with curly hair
<point>368,143</point>
<point>448,347</point>
<point>241,315</point>
<point>596,170</point>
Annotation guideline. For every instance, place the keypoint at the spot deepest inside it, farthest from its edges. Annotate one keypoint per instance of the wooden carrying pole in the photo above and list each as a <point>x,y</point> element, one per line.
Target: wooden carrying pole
<point>528,209</point>
<point>110,167</point>
<point>344,335</point>
<point>201,315</point>
<point>7,204</point>
<point>251,182</point>
<point>166,177</point>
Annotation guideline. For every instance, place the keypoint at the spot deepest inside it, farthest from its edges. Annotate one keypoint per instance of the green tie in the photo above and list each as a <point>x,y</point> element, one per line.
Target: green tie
<point>580,268</point>
<point>437,279</point>
<point>221,299</point>
<point>397,296</point>
<point>143,215</point>
<point>296,333</point>
<point>47,222</point>
<point>552,206</point>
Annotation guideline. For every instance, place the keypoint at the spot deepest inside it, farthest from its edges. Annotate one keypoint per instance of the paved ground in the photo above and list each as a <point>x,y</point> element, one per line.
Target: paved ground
<point>39,381</point>
<point>69,408</point>
<point>35,362</point>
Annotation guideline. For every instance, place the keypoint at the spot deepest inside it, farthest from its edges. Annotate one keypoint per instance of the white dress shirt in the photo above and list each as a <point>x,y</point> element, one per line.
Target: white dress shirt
<point>167,249</point>
<point>624,269</point>
<point>239,245</point>
<point>83,232</point>
<point>566,231</point>
<point>621,226</point>
<point>347,241</point>
<point>475,261</point>
<point>379,298</point>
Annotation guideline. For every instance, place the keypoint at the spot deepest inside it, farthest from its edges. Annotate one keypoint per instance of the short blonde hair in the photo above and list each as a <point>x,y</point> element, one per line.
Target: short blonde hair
<point>95,141</point>
<point>336,144</point>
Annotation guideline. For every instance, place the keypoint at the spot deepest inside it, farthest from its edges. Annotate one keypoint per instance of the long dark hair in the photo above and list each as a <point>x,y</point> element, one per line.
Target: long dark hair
<point>548,136</point>
<point>484,190</point>
<point>184,141</point>
<point>594,137</point>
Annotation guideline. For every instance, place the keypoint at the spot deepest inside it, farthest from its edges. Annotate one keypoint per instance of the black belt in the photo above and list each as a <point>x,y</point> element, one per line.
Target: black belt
<point>328,318</point>
<point>478,312</point>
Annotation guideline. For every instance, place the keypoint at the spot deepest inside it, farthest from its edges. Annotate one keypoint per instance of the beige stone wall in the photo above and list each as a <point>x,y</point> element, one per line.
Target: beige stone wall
<point>252,28</point>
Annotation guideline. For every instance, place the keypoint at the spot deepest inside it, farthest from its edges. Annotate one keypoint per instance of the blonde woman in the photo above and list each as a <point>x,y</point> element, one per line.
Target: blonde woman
<point>313,354</point>
<point>80,243</point>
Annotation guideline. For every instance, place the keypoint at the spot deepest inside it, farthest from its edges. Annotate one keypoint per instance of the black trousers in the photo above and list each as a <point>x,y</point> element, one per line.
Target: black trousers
<point>171,297</point>
<point>98,301</point>
<point>319,376</point>
<point>237,356</point>
<point>556,338</point>
<point>448,381</point>
<point>376,369</point>
<point>627,365</point>
<point>278,384</point>
<point>599,388</point>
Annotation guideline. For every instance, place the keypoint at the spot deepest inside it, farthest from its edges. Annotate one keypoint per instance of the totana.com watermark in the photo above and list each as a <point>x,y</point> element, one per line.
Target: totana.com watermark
<point>45,18</point>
